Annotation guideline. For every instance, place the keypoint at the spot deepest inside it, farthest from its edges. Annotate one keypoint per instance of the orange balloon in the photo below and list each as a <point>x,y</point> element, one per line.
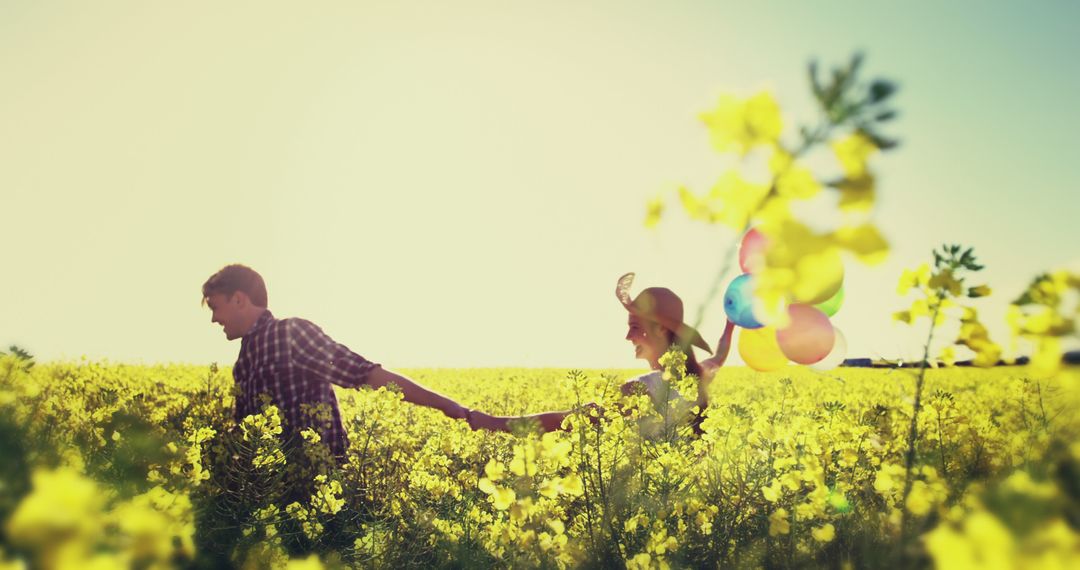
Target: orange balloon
<point>759,350</point>
<point>809,337</point>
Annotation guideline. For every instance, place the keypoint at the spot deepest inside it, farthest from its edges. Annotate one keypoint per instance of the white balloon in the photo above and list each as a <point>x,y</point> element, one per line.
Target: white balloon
<point>836,356</point>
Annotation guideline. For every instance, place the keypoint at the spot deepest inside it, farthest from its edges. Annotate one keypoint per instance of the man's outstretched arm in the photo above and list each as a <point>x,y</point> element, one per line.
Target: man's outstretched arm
<point>417,394</point>
<point>318,354</point>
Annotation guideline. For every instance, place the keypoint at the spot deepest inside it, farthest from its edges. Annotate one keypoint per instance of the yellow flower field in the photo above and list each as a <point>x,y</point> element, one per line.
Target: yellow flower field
<point>109,465</point>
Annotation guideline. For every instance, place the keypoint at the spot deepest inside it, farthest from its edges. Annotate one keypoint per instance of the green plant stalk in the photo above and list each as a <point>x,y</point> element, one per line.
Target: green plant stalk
<point>941,445</point>
<point>913,433</point>
<point>818,135</point>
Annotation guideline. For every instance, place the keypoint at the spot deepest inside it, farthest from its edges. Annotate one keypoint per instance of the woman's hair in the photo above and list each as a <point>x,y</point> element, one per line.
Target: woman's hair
<point>692,366</point>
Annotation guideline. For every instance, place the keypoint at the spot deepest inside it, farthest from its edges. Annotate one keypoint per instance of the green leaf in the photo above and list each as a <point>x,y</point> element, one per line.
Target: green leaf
<point>880,141</point>
<point>885,116</point>
<point>881,89</point>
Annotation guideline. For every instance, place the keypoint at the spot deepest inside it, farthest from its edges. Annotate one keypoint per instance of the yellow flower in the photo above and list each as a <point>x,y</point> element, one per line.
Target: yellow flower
<point>991,538</point>
<point>486,486</point>
<point>739,125</point>
<point>736,198</point>
<point>572,485</point>
<point>327,498</point>
<point>312,562</point>
<point>635,521</point>
<point>1047,357</point>
<point>772,492</point>
<point>912,278</point>
<point>950,549</point>
<point>556,526</point>
<point>948,356</point>
<point>778,522</point>
<point>494,470</point>
<point>524,461</point>
<point>549,489</point>
<point>780,160</point>
<point>502,498</point>
<point>654,210</point>
<point>824,533</point>
<point>555,448</point>
<point>522,509</point>
<point>920,308</point>
<point>884,481</point>
<point>853,152</point>
<point>801,265</point>
<point>62,504</point>
<point>791,480</point>
<point>919,500</point>
<point>798,183</point>
<point>639,562</point>
<point>695,207</point>
<point>865,241</point>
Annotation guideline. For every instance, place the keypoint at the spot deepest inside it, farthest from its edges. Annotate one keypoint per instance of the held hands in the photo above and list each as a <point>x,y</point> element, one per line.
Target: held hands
<point>479,420</point>
<point>545,422</point>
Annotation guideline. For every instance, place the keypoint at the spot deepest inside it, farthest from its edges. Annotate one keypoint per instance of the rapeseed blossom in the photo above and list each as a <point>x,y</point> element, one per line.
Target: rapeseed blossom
<point>779,460</point>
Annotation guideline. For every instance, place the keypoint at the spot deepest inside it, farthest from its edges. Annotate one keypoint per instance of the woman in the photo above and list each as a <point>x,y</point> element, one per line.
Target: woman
<point>655,325</point>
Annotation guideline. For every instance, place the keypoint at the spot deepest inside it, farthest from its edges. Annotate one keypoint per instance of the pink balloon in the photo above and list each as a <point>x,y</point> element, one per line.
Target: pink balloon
<point>752,251</point>
<point>809,337</point>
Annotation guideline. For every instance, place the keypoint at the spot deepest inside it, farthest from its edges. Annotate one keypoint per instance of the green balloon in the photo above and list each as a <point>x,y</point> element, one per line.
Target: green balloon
<point>831,306</point>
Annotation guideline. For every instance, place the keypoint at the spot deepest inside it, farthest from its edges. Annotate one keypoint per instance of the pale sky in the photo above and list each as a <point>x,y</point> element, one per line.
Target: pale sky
<point>462,183</point>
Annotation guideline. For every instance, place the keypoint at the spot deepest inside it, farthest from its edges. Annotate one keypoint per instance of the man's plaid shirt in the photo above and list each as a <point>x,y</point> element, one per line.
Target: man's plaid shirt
<point>294,362</point>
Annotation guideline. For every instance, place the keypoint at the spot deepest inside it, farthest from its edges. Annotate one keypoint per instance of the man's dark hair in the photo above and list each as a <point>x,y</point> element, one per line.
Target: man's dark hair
<point>233,278</point>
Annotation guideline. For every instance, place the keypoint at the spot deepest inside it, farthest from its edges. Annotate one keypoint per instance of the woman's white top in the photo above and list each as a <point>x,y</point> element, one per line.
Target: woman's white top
<point>673,409</point>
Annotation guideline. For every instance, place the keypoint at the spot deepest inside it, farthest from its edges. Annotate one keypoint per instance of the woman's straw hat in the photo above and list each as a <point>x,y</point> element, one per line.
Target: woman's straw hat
<point>660,305</point>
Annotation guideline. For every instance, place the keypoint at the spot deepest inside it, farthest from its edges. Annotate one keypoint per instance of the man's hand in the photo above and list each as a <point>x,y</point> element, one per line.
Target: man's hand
<point>416,394</point>
<point>587,409</point>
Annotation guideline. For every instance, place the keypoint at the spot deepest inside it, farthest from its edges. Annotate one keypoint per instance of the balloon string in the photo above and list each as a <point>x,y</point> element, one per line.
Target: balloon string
<point>718,279</point>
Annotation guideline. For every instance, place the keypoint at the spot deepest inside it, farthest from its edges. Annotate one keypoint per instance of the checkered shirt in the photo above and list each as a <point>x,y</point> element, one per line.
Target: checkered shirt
<point>294,362</point>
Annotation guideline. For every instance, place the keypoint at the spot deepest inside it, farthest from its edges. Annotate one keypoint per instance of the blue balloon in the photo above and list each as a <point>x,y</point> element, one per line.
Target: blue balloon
<point>739,302</point>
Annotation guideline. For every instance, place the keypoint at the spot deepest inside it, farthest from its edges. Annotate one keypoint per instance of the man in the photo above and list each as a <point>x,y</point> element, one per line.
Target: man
<point>294,362</point>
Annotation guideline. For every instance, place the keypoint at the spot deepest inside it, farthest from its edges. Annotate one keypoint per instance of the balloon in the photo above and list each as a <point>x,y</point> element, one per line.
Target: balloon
<point>834,303</point>
<point>752,251</point>
<point>836,357</point>
<point>818,277</point>
<point>739,302</point>
<point>809,336</point>
<point>759,350</point>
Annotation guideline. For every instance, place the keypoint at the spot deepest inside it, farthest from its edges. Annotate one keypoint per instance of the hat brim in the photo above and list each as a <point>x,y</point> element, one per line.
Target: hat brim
<point>686,334</point>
